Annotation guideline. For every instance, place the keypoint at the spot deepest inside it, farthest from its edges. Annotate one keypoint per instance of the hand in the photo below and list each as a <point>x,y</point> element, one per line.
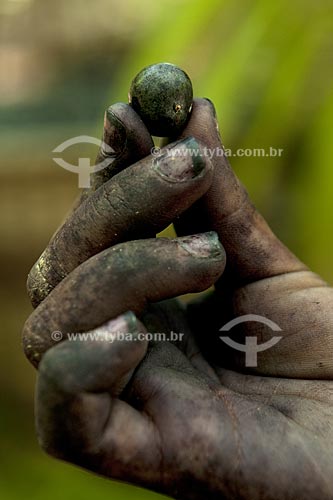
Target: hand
<point>188,418</point>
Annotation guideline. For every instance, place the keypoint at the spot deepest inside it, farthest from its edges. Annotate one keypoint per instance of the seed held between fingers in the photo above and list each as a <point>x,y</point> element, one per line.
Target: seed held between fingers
<point>162,95</point>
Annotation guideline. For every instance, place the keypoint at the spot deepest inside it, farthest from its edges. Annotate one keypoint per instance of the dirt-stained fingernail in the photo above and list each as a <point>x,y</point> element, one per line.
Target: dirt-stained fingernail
<point>182,162</point>
<point>203,245</point>
<point>114,133</point>
<point>211,105</point>
<point>120,325</point>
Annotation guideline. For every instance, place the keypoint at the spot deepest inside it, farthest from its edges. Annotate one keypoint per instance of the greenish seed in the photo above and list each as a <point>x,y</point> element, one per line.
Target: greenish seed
<point>162,95</point>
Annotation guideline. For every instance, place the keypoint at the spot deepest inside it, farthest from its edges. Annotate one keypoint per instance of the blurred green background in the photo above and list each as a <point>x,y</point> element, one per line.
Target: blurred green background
<point>268,66</point>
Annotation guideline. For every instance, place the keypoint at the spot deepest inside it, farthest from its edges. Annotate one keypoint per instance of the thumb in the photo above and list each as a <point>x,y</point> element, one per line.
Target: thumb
<point>253,251</point>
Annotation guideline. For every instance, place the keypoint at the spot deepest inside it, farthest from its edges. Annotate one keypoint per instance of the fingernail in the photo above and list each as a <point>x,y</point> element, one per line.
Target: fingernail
<point>182,162</point>
<point>202,245</point>
<point>131,321</point>
<point>212,106</point>
<point>114,133</point>
<point>122,324</point>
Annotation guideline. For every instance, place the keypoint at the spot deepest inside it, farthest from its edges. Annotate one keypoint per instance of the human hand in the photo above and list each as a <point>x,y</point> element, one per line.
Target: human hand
<point>164,416</point>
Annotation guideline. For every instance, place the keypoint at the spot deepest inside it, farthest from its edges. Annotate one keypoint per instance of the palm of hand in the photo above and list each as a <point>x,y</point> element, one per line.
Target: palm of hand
<point>237,429</point>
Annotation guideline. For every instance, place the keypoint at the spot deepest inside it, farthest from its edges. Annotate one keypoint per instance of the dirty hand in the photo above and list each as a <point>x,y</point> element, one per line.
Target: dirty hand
<point>186,418</point>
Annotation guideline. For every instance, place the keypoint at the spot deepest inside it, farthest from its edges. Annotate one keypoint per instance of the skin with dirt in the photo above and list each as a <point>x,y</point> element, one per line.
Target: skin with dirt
<point>185,418</point>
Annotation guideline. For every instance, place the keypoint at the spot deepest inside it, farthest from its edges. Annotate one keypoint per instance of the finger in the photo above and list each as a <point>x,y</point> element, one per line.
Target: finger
<point>78,417</point>
<point>121,278</point>
<point>253,251</point>
<point>126,140</point>
<point>139,202</point>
